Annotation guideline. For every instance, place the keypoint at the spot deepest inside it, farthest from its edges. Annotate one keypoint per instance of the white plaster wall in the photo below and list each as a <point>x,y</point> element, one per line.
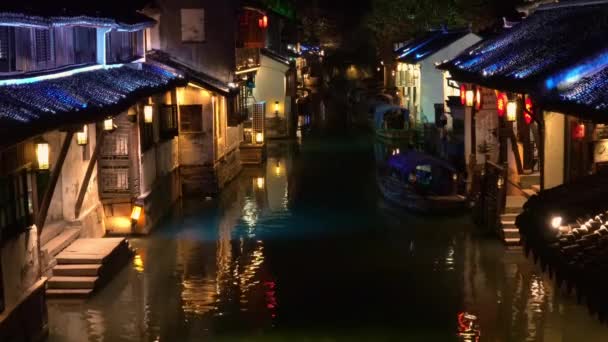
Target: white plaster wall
<point>148,170</point>
<point>431,78</point>
<point>55,212</point>
<point>20,265</point>
<point>270,85</point>
<point>555,125</point>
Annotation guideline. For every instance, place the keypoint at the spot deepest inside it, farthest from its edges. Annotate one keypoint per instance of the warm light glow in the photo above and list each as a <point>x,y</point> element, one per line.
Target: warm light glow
<point>528,112</point>
<point>259,138</point>
<point>470,98</point>
<point>277,169</point>
<point>43,154</point>
<point>578,131</point>
<point>511,111</point>
<point>463,94</point>
<point>108,124</point>
<point>138,263</point>
<point>276,107</point>
<point>478,99</point>
<point>82,137</point>
<point>501,104</point>
<point>148,114</point>
<point>260,182</point>
<point>500,182</point>
<point>136,213</point>
<point>556,222</point>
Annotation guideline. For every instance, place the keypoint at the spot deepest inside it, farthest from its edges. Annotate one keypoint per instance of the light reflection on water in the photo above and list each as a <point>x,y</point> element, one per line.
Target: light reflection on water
<point>316,254</point>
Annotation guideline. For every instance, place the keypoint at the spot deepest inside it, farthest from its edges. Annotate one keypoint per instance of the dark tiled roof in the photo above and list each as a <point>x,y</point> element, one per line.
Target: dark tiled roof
<point>426,45</point>
<point>550,39</point>
<point>28,109</point>
<point>276,56</point>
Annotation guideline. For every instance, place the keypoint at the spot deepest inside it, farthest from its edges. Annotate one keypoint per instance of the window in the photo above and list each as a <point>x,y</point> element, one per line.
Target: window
<point>124,46</point>
<point>114,179</point>
<point>146,134</point>
<point>16,205</point>
<point>168,121</point>
<point>191,118</point>
<point>7,55</point>
<point>42,43</point>
<point>85,45</point>
<point>193,25</point>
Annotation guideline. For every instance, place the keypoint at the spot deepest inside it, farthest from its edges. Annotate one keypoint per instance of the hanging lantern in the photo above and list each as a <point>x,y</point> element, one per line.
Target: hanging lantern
<point>82,137</point>
<point>501,103</point>
<point>263,22</point>
<point>259,138</point>
<point>511,111</point>
<point>528,112</point>
<point>42,154</point>
<point>470,98</point>
<point>148,114</point>
<point>136,213</point>
<point>108,124</point>
<point>260,183</point>
<point>463,94</point>
<point>578,131</point>
<point>276,108</point>
<point>478,98</point>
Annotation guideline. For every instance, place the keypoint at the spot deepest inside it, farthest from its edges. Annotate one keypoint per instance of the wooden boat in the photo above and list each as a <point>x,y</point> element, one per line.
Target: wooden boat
<point>392,123</point>
<point>420,182</point>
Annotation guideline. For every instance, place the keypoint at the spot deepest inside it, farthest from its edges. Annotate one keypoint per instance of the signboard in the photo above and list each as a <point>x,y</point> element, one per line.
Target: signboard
<point>600,152</point>
<point>600,132</point>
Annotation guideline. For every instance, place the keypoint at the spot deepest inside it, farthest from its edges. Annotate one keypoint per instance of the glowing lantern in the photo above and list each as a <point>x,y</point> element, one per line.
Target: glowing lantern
<point>511,111</point>
<point>578,131</point>
<point>277,169</point>
<point>501,104</point>
<point>276,108</point>
<point>556,222</point>
<point>263,22</point>
<point>82,137</point>
<point>108,124</point>
<point>470,98</point>
<point>148,114</point>
<point>478,99</point>
<point>43,154</point>
<point>260,183</point>
<point>528,112</point>
<point>136,213</point>
<point>259,138</point>
<point>463,94</point>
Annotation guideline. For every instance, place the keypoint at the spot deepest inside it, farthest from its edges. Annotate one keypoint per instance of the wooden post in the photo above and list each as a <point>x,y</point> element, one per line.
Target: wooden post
<point>89,173</point>
<point>520,167</point>
<point>48,192</point>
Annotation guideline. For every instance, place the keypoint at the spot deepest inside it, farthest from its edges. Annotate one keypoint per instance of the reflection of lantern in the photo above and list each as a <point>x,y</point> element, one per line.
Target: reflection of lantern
<point>82,137</point>
<point>260,183</point>
<point>478,99</point>
<point>511,111</point>
<point>42,154</point>
<point>108,124</point>
<point>463,94</point>
<point>470,98</point>
<point>259,138</point>
<point>578,131</point>
<point>501,104</point>
<point>528,112</point>
<point>148,114</point>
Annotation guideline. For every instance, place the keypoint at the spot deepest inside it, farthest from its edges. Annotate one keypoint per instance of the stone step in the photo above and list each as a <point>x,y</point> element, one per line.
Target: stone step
<point>51,230</point>
<point>527,181</point>
<point>506,224</point>
<point>90,270</point>
<point>511,233</point>
<point>61,241</point>
<point>92,251</point>
<point>529,192</point>
<point>536,188</point>
<point>512,241</point>
<point>508,217</point>
<point>69,293</point>
<point>60,282</point>
<point>513,210</point>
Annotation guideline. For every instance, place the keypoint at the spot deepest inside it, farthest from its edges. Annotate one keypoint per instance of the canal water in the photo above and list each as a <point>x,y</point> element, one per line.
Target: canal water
<point>306,249</point>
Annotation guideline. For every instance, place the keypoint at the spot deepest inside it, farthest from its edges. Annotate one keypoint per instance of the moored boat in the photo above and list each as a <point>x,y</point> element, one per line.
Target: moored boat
<point>420,182</point>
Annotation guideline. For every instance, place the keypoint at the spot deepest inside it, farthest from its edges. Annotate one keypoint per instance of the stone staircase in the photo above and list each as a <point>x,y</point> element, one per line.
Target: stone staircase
<point>56,236</point>
<point>514,207</point>
<point>86,265</point>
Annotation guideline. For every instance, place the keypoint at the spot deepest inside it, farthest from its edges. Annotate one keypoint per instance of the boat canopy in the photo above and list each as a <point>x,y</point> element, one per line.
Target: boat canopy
<point>382,108</point>
<point>408,162</point>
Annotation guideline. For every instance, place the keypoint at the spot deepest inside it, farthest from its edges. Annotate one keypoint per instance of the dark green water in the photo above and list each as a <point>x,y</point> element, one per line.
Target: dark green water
<point>313,253</point>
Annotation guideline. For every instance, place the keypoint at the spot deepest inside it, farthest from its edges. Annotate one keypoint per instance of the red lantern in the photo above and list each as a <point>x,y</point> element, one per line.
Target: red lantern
<point>263,22</point>
<point>501,103</point>
<point>578,131</point>
<point>463,94</point>
<point>528,112</point>
<point>478,98</point>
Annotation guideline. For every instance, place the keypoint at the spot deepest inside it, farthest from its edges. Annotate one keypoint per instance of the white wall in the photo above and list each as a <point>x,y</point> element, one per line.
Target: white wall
<point>270,84</point>
<point>20,265</point>
<point>554,142</point>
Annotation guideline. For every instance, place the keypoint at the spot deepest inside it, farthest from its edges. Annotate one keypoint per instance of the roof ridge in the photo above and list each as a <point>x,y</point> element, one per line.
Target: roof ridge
<point>571,3</point>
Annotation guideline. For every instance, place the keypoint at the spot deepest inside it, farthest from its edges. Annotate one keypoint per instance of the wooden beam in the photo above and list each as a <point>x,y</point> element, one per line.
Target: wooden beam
<point>48,192</point>
<point>514,147</point>
<point>87,176</point>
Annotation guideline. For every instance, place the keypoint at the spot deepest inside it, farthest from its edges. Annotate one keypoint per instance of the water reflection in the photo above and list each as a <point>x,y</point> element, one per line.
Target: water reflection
<point>304,248</point>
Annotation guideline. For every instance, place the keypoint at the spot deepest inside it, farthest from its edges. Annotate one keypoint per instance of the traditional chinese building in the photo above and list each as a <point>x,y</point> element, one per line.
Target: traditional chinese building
<point>534,106</point>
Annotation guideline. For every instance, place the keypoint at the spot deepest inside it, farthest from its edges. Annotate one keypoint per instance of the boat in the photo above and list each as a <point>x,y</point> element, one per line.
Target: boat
<point>421,182</point>
<point>392,123</point>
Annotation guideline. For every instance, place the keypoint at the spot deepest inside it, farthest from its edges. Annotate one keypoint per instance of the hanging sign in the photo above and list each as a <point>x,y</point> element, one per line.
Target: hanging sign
<point>600,153</point>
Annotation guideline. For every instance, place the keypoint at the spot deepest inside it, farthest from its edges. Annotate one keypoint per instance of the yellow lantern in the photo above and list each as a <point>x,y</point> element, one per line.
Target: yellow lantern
<point>511,111</point>
<point>82,137</point>
<point>276,108</point>
<point>470,98</point>
<point>277,169</point>
<point>260,183</point>
<point>108,124</point>
<point>259,138</point>
<point>43,154</point>
<point>148,114</point>
<point>136,213</point>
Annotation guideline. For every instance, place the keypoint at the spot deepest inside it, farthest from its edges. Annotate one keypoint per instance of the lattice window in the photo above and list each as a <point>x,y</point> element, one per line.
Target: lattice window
<point>168,121</point>
<point>4,42</point>
<point>115,179</point>
<point>116,146</point>
<point>16,204</point>
<point>43,45</point>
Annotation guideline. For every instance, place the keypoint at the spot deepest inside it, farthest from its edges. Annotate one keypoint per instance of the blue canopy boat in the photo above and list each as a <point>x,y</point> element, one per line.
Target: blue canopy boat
<point>418,181</point>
